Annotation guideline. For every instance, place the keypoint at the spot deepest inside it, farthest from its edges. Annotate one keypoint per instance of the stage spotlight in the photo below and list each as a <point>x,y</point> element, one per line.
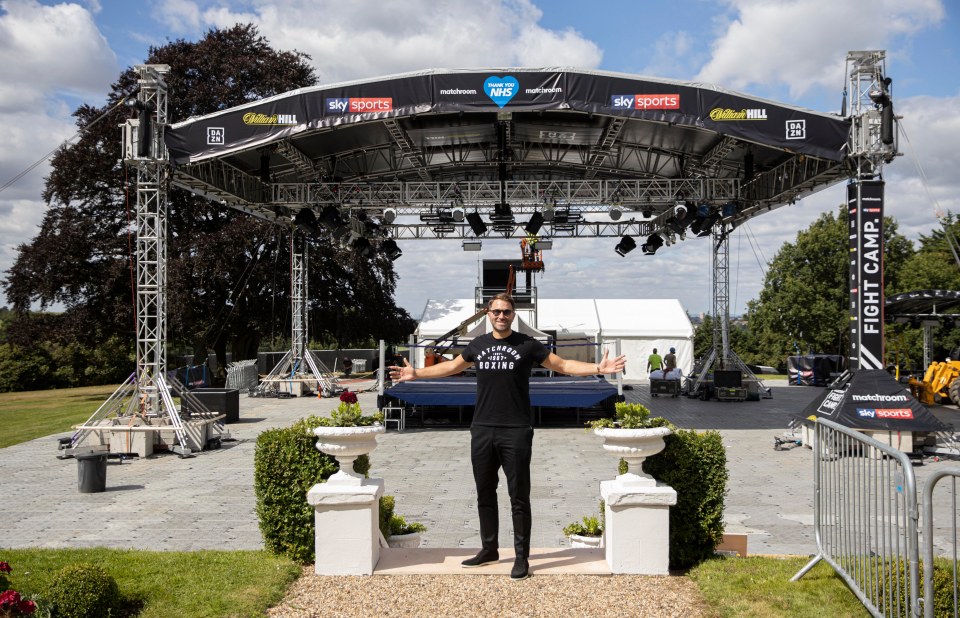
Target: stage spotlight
<point>457,214</point>
<point>680,210</point>
<point>362,246</point>
<point>615,213</point>
<point>533,226</point>
<point>545,244</point>
<point>625,246</point>
<point>306,220</point>
<point>647,213</point>
<point>476,223</point>
<point>472,245</point>
<point>729,209</point>
<point>389,215</point>
<point>654,242</point>
<point>702,227</point>
<point>548,213</point>
<point>391,250</point>
<point>330,217</point>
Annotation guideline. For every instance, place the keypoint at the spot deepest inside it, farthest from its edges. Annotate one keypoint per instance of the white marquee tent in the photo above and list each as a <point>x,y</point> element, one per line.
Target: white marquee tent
<point>582,328</point>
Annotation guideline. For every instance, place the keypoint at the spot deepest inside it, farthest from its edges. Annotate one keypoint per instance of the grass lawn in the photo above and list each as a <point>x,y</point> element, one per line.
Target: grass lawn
<point>34,414</point>
<point>760,587</point>
<point>245,583</point>
<point>163,584</point>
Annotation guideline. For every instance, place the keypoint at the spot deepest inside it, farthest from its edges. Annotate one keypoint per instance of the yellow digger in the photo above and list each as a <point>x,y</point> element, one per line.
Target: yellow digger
<point>939,384</point>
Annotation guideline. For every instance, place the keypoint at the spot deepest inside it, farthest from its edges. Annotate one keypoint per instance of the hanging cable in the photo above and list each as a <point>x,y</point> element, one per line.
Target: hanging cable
<point>937,210</point>
<point>69,140</point>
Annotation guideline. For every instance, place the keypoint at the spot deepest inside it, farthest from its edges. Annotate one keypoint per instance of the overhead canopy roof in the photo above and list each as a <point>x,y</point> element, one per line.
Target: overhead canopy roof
<point>582,141</point>
<point>921,304</point>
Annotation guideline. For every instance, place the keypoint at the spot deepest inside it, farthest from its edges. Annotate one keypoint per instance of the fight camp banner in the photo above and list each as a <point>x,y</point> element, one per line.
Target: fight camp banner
<point>507,90</point>
<point>865,207</point>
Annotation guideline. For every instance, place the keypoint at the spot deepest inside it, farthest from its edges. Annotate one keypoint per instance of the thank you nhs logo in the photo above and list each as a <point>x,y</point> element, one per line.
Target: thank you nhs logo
<point>501,89</point>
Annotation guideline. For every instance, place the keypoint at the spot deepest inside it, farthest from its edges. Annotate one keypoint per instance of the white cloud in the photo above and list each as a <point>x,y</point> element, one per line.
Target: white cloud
<point>355,40</point>
<point>50,50</point>
<point>803,44</point>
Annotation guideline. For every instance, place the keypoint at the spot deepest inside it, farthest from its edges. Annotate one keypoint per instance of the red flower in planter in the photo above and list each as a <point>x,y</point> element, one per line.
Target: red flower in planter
<point>348,397</point>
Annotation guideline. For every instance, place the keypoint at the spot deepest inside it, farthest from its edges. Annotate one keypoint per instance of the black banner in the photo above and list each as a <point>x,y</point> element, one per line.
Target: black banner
<point>865,204</point>
<point>491,90</point>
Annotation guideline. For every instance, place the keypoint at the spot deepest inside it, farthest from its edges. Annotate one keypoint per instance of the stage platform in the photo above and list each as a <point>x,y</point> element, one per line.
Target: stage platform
<point>461,392</point>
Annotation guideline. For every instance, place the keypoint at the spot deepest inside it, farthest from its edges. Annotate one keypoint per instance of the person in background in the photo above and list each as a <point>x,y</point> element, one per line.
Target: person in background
<point>670,361</point>
<point>346,365</point>
<point>654,362</point>
<point>501,434</point>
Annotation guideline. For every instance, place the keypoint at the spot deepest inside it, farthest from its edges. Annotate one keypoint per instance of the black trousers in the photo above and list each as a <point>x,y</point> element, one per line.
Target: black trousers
<point>510,448</point>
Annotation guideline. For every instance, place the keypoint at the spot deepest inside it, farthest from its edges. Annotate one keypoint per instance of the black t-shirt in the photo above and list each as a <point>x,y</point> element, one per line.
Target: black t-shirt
<point>503,377</point>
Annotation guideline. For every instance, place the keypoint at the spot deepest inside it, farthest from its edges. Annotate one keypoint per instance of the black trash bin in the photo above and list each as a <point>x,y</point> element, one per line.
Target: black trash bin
<point>91,472</point>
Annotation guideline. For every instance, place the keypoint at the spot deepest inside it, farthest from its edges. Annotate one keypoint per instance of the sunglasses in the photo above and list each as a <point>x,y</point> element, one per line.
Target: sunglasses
<point>505,312</point>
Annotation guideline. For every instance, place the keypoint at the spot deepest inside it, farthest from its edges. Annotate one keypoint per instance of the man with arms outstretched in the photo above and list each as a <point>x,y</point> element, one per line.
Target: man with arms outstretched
<point>501,435</point>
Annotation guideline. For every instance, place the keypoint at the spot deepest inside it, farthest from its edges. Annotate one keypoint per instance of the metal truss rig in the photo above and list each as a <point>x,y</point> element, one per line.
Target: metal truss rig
<point>278,202</point>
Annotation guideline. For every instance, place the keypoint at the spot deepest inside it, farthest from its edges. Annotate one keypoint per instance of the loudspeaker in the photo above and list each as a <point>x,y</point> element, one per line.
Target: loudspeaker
<point>728,379</point>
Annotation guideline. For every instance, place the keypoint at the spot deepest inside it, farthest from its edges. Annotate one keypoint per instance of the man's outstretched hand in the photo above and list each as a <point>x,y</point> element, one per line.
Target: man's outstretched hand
<point>615,365</point>
<point>402,374</point>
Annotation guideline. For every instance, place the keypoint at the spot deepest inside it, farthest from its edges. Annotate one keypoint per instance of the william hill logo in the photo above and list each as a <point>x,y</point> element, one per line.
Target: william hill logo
<point>721,114</point>
<point>257,119</point>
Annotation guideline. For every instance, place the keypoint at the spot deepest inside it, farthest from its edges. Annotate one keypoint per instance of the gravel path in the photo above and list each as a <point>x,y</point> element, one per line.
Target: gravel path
<point>464,596</point>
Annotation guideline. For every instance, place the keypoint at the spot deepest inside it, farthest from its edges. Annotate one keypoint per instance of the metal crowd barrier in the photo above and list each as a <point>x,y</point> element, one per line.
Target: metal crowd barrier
<point>928,541</point>
<point>242,375</point>
<point>866,519</point>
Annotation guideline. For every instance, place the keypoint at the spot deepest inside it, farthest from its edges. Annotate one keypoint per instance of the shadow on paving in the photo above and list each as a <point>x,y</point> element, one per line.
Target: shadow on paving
<point>691,413</point>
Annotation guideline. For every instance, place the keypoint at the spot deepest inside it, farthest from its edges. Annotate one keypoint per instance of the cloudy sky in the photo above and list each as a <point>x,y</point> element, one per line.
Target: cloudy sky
<point>56,55</point>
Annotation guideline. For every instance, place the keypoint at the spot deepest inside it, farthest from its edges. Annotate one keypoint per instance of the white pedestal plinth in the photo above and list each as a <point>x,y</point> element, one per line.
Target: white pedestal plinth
<point>347,531</point>
<point>637,527</point>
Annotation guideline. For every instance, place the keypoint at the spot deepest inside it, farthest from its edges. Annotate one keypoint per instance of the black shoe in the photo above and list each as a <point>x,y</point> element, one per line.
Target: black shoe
<point>484,557</point>
<point>521,569</point>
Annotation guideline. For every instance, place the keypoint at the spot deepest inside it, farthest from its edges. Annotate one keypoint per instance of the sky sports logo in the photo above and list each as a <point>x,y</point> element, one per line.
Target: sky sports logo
<point>894,413</point>
<point>645,101</point>
<point>359,105</point>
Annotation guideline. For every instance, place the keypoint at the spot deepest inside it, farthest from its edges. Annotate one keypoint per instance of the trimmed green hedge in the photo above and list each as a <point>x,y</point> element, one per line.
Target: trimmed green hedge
<point>83,590</point>
<point>695,465</point>
<point>286,465</point>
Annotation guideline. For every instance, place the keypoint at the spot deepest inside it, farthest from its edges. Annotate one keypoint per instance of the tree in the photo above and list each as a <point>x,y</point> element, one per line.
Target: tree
<point>228,282</point>
<point>804,304</point>
<point>932,267</point>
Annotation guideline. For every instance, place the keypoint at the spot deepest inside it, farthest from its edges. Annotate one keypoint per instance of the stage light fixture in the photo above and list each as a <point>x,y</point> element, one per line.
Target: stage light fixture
<point>533,226</point>
<point>391,250</point>
<point>545,244</point>
<point>625,246</point>
<point>548,212</point>
<point>472,245</point>
<point>729,209</point>
<point>457,213</point>
<point>330,217</point>
<point>389,215</point>
<point>647,213</point>
<point>615,213</point>
<point>362,247</point>
<point>476,223</point>
<point>680,209</point>
<point>654,242</point>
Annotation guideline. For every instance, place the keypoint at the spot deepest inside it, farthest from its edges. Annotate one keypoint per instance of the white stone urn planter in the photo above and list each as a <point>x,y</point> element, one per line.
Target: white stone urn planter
<point>593,542</point>
<point>404,541</point>
<point>634,445</point>
<point>346,444</point>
